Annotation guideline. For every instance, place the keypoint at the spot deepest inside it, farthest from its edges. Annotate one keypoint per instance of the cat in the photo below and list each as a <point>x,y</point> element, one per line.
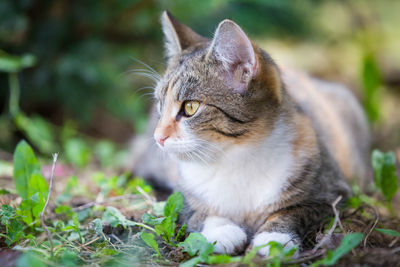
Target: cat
<point>261,151</point>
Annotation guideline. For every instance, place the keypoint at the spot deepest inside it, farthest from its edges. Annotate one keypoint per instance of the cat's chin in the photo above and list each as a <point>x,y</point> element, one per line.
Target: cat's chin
<point>180,156</point>
<point>185,157</point>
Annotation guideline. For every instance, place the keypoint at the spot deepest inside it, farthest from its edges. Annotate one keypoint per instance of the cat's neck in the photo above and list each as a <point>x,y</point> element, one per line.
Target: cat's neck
<point>250,176</point>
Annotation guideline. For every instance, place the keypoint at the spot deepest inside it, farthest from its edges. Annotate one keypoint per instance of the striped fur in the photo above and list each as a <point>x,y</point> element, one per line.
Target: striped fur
<point>267,151</point>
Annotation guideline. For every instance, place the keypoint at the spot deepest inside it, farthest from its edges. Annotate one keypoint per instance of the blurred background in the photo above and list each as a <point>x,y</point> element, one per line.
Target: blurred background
<point>67,68</point>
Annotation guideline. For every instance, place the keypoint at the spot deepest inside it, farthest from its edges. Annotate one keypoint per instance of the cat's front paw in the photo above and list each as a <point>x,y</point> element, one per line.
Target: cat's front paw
<point>264,238</point>
<point>229,238</point>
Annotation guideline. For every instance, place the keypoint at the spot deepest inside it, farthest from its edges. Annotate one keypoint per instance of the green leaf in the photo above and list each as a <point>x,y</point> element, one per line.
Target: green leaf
<point>6,213</point>
<point>288,253</point>
<point>196,243</point>
<point>30,259</point>
<point>25,164</point>
<point>25,211</point>
<point>275,249</point>
<point>158,208</point>
<point>190,263</point>
<point>384,165</point>
<point>98,226</point>
<point>39,132</point>
<point>66,210</point>
<point>38,190</point>
<point>77,152</point>
<point>12,223</point>
<point>151,219</point>
<point>69,258</point>
<point>4,192</point>
<point>388,232</point>
<point>174,205</point>
<point>29,183</point>
<point>148,238</point>
<point>181,233</point>
<point>15,231</point>
<point>371,80</point>
<point>166,229</point>
<point>9,63</point>
<point>222,259</point>
<point>105,152</point>
<point>252,254</point>
<point>139,182</point>
<point>349,242</point>
<point>114,217</point>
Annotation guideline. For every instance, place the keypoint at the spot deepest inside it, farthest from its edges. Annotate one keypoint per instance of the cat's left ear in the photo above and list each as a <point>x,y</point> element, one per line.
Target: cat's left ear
<point>234,49</point>
<point>178,36</point>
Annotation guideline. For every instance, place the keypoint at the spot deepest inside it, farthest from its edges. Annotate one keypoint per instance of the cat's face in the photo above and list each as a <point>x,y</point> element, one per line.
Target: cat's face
<point>212,95</point>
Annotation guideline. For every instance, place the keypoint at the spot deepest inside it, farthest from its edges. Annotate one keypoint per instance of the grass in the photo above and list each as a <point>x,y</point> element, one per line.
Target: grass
<point>90,218</point>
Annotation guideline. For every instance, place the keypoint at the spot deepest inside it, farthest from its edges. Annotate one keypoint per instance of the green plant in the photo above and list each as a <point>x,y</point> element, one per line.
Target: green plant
<point>349,242</point>
<point>29,183</point>
<point>385,178</point>
<point>372,82</point>
<point>165,226</point>
<point>388,232</point>
<point>12,65</point>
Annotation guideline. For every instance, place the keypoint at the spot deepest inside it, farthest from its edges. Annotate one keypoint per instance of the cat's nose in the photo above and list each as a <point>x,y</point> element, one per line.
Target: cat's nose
<point>161,139</point>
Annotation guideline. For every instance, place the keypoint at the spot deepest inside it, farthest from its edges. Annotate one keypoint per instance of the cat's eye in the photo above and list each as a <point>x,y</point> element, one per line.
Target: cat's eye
<point>190,107</point>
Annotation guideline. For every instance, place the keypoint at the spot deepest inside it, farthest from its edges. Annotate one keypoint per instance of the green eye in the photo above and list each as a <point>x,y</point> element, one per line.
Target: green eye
<point>190,107</point>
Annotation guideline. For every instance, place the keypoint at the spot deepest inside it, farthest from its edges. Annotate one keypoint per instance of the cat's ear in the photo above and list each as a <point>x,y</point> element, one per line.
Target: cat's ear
<point>234,49</point>
<point>178,36</point>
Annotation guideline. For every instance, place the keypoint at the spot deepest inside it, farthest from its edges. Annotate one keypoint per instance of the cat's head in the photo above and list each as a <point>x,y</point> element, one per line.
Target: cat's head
<point>216,93</point>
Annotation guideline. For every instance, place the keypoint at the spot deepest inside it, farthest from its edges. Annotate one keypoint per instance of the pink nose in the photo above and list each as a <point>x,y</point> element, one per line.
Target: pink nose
<point>161,139</point>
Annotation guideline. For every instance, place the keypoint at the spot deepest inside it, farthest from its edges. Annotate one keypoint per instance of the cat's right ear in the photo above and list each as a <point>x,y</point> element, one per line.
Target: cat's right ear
<point>177,35</point>
<point>234,50</point>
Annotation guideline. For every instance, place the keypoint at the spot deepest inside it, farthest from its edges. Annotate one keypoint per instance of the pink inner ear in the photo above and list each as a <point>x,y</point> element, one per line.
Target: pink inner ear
<point>238,77</point>
<point>235,51</point>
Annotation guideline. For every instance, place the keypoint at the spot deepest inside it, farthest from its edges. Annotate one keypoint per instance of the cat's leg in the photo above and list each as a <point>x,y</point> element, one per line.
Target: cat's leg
<point>283,227</point>
<point>229,238</point>
<point>289,226</point>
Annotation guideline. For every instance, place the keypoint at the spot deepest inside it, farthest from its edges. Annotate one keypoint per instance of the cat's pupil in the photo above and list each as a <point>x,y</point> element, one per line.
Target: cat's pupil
<point>190,107</point>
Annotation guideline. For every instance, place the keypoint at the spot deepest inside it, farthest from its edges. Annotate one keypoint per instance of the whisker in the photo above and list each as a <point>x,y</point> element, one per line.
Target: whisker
<point>144,88</point>
<point>151,94</point>
<point>146,65</point>
<point>145,74</point>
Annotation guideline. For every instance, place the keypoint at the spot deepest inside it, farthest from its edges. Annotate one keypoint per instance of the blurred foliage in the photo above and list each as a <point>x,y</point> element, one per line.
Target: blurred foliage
<point>371,81</point>
<point>66,86</point>
<point>385,178</point>
<point>83,50</point>
<point>69,61</point>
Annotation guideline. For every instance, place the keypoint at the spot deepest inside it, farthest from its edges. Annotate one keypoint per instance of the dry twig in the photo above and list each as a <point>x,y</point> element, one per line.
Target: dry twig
<point>373,226</point>
<point>42,214</point>
<point>90,242</point>
<point>335,222</point>
<point>150,199</point>
<point>111,199</point>
<point>393,242</point>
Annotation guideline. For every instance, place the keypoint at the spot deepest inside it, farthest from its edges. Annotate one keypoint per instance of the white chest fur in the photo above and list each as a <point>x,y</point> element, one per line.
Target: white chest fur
<point>245,178</point>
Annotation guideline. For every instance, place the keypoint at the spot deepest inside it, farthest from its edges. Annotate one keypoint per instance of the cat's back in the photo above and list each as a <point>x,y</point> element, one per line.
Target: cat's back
<point>337,118</point>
